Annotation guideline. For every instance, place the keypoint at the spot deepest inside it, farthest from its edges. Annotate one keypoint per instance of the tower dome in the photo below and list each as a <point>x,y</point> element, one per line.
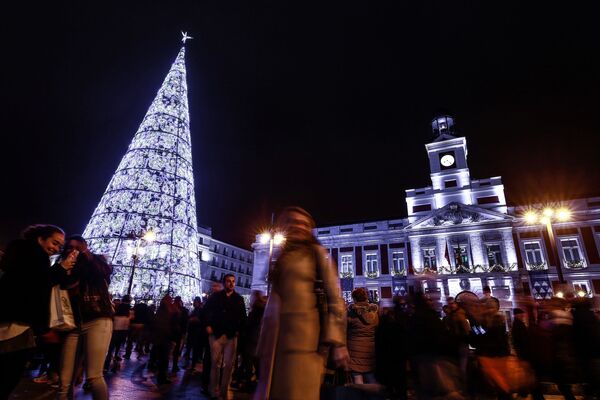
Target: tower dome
<point>442,125</point>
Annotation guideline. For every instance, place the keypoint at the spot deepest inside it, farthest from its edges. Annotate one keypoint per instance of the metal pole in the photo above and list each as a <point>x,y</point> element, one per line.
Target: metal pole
<point>135,258</point>
<point>269,265</point>
<point>554,250</point>
<point>132,273</point>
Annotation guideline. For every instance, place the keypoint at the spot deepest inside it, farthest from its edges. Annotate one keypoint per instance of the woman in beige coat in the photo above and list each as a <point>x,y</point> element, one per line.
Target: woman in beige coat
<point>293,330</point>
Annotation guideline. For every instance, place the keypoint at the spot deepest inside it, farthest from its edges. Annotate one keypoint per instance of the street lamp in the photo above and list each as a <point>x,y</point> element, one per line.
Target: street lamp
<point>546,217</point>
<point>149,236</point>
<point>273,239</point>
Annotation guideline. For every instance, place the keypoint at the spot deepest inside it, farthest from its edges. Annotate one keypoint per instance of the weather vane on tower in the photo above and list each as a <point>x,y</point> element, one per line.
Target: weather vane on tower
<point>185,37</point>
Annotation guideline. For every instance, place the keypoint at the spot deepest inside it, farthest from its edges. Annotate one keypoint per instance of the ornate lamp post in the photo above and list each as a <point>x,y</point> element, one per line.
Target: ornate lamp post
<point>149,236</point>
<point>546,217</point>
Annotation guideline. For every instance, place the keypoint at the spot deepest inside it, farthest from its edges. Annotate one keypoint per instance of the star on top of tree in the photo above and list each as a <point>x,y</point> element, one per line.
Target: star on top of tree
<point>184,37</point>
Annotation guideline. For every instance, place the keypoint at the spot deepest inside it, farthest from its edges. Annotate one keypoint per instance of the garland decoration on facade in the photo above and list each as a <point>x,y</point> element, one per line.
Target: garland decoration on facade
<point>347,274</point>
<point>372,274</point>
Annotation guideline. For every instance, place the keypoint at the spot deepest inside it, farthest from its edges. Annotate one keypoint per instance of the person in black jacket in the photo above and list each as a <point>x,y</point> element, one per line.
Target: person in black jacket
<point>93,311</point>
<point>586,337</point>
<point>25,289</point>
<point>523,341</point>
<point>181,331</point>
<point>164,327</point>
<point>226,317</point>
<point>195,335</point>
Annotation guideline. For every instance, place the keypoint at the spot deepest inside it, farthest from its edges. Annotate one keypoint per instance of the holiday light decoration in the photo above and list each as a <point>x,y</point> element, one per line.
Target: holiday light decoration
<point>152,190</point>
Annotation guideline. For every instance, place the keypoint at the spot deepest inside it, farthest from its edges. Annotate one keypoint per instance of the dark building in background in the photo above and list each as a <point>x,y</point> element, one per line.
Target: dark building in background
<point>218,258</point>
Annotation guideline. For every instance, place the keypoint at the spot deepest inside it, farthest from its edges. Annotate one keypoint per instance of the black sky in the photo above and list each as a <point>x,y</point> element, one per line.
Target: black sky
<point>322,105</point>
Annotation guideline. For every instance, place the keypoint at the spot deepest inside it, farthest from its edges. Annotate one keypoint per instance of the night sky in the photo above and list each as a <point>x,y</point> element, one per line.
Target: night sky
<point>323,105</point>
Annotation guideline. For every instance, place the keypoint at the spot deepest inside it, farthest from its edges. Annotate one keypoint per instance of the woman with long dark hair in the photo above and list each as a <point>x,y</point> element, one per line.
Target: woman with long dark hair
<point>25,288</point>
<point>92,308</point>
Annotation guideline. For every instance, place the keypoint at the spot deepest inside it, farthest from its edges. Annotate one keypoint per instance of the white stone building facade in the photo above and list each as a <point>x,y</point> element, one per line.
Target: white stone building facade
<point>460,234</point>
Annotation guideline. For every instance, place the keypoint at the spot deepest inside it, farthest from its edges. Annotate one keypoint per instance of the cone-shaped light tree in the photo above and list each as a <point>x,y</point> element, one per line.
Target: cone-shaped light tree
<point>145,223</point>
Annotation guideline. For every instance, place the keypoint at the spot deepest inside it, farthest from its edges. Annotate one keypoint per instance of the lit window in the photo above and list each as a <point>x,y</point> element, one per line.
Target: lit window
<point>429,260</point>
<point>374,295</point>
<point>371,264</point>
<point>582,288</point>
<point>570,249</point>
<point>346,265</point>
<point>533,255</point>
<point>398,263</point>
<point>460,255</point>
<point>572,253</point>
<point>494,253</point>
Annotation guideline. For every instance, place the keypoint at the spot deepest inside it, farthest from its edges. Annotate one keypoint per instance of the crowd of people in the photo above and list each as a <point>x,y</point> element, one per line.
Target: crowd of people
<point>293,344</point>
<point>105,331</point>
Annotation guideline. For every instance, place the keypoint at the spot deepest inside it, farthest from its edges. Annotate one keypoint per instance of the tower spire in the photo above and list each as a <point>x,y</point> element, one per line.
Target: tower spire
<point>153,189</point>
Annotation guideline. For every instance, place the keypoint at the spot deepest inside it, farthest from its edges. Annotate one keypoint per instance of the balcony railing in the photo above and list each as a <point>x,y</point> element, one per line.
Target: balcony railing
<point>465,269</point>
<point>575,264</point>
<point>537,266</point>
<point>372,274</point>
<point>398,273</point>
<point>346,274</point>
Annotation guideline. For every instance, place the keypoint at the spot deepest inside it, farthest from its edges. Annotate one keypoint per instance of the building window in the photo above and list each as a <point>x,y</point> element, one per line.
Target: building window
<point>582,288</point>
<point>488,200</point>
<point>398,263</point>
<point>429,260</point>
<point>432,287</point>
<point>461,256</point>
<point>451,183</point>
<point>346,266</point>
<point>422,207</point>
<point>374,295</point>
<point>533,256</point>
<point>494,253</point>
<point>371,265</point>
<point>572,253</point>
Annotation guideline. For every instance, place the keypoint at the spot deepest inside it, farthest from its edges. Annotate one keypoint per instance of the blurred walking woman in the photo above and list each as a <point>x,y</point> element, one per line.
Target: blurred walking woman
<point>25,284</point>
<point>92,308</point>
<point>293,329</point>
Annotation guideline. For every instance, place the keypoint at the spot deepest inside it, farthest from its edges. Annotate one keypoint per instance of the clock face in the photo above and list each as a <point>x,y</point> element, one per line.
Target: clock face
<point>447,160</point>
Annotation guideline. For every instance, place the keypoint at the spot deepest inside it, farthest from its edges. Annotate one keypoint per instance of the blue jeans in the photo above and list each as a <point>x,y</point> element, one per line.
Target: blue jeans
<point>90,341</point>
<point>363,377</point>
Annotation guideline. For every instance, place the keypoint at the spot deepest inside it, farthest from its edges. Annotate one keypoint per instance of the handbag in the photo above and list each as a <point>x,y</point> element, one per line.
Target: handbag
<point>61,312</point>
<point>508,374</point>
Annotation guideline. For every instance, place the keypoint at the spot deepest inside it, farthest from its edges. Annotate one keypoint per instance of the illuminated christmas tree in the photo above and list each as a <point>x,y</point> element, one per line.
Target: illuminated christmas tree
<point>145,223</point>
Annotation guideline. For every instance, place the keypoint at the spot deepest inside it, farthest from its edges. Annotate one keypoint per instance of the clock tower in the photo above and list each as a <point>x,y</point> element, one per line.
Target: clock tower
<point>450,176</point>
<point>447,155</point>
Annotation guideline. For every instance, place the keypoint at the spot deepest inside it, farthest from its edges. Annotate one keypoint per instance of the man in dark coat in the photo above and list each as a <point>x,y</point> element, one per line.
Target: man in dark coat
<point>226,317</point>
